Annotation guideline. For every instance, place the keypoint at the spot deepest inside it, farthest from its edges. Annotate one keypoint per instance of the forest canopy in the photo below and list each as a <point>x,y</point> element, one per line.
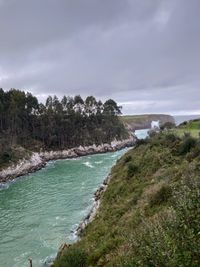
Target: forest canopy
<point>57,124</point>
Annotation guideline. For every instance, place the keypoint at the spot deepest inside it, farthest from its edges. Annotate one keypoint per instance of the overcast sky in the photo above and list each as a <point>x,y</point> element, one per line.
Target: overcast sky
<point>145,54</point>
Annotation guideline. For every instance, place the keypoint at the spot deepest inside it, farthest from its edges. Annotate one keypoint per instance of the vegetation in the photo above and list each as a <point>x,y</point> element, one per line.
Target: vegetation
<point>144,121</point>
<point>149,215</point>
<point>56,124</point>
<point>192,127</point>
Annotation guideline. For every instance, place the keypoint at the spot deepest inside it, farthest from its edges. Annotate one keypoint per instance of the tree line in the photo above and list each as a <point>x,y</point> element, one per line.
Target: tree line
<point>57,124</point>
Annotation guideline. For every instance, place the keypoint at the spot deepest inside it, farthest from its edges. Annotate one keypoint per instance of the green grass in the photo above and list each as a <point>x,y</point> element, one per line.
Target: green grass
<point>181,132</point>
<point>192,124</point>
<point>192,127</point>
<point>149,212</point>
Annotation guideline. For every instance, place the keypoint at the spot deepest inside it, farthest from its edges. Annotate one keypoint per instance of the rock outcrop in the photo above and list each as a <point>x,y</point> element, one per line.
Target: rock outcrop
<point>25,166</point>
<point>38,160</point>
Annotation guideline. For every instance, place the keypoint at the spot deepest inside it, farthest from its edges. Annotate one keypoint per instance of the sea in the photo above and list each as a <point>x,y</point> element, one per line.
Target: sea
<point>181,118</point>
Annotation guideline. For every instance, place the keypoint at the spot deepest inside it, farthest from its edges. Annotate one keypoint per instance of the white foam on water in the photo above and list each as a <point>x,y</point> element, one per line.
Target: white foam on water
<point>48,260</point>
<point>98,162</point>
<point>4,186</point>
<point>114,156</point>
<point>88,164</point>
<point>73,233</point>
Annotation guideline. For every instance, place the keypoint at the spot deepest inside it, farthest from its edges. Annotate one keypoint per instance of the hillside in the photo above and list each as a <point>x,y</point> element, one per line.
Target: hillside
<point>135,122</point>
<point>192,127</point>
<point>149,213</point>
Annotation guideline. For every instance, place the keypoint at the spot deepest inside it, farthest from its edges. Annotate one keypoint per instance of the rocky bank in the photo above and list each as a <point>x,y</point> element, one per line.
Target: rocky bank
<point>38,160</point>
<point>88,219</point>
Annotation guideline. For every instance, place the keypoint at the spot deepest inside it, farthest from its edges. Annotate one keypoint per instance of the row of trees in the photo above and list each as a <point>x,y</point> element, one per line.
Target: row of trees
<point>57,124</point>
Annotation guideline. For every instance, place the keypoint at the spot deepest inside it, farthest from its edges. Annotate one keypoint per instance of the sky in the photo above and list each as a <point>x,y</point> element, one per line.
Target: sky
<point>144,54</point>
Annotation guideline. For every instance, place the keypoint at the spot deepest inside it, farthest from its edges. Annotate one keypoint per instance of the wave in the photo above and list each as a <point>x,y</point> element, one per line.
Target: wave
<point>48,261</point>
<point>98,162</point>
<point>88,164</point>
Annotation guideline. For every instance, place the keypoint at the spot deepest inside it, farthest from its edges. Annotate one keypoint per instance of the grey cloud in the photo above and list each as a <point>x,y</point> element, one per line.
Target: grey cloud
<point>134,51</point>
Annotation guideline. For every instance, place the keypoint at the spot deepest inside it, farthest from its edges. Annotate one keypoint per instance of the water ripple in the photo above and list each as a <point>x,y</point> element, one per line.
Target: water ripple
<point>40,211</point>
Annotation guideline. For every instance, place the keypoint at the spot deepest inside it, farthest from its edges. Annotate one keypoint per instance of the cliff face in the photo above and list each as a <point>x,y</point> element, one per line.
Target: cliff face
<point>137,122</point>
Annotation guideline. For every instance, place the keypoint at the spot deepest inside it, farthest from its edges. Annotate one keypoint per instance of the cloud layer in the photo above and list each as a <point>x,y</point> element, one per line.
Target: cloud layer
<point>145,54</point>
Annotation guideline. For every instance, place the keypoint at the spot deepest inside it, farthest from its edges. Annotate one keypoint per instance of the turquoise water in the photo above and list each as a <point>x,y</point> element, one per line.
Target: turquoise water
<point>141,134</point>
<point>38,212</point>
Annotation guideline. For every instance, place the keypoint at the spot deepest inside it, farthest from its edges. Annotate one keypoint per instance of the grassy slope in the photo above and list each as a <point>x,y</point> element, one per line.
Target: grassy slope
<point>148,215</point>
<point>192,127</point>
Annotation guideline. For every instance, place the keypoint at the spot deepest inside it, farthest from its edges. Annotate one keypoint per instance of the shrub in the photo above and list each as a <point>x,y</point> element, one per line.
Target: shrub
<point>170,137</point>
<point>72,257</point>
<point>171,237</point>
<point>132,169</point>
<point>161,196</point>
<point>5,156</point>
<point>167,125</point>
<point>140,142</point>
<point>195,152</point>
<point>186,145</point>
<point>127,159</point>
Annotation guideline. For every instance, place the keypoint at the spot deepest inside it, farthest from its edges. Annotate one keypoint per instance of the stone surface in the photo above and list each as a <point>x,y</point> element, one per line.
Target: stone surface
<point>39,160</point>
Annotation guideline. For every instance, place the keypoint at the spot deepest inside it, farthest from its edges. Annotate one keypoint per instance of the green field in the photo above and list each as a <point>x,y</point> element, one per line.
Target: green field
<point>181,132</point>
<point>192,127</point>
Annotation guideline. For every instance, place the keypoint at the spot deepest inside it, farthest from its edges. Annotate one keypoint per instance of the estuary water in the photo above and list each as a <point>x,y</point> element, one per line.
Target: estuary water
<point>141,134</point>
<point>39,212</point>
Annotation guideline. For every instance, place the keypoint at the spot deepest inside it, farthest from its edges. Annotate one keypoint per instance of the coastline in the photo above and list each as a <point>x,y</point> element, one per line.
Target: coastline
<point>38,161</point>
<point>92,213</point>
<point>86,220</point>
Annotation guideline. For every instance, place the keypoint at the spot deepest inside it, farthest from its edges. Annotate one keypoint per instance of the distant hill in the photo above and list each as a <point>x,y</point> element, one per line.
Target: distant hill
<point>136,122</point>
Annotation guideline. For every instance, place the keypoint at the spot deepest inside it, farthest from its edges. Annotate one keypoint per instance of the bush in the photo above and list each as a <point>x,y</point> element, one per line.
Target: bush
<point>170,137</point>
<point>6,156</point>
<point>132,169</point>
<point>186,145</point>
<point>171,237</point>
<point>72,257</point>
<point>140,142</point>
<point>127,159</point>
<point>167,125</point>
<point>161,196</point>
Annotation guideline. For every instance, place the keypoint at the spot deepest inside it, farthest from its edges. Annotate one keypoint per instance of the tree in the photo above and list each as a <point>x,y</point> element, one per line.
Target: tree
<point>111,108</point>
<point>57,124</point>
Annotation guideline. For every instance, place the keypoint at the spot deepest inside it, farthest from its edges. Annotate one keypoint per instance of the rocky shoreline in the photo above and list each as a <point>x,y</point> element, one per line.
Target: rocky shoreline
<point>88,219</point>
<point>39,160</point>
<point>97,199</point>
